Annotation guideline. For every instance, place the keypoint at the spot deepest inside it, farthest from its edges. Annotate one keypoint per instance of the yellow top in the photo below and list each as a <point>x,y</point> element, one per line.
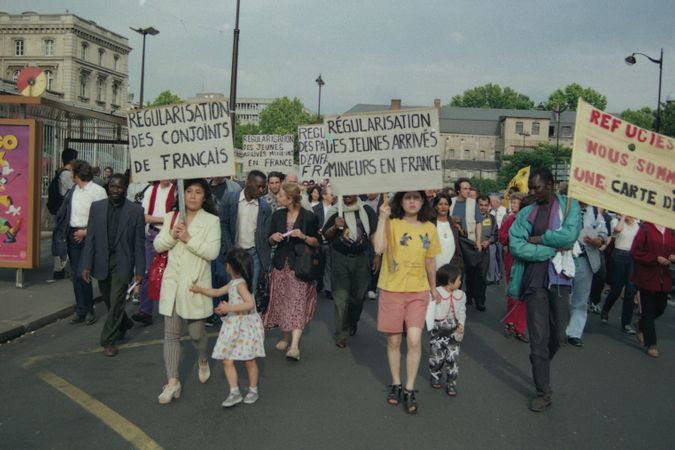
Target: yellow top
<point>414,244</point>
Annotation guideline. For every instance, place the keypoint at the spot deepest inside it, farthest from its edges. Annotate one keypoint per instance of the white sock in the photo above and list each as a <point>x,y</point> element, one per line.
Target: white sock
<point>234,390</point>
<point>253,389</point>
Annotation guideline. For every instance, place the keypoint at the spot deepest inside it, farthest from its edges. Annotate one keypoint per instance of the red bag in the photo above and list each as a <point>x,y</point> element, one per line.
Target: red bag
<point>157,268</point>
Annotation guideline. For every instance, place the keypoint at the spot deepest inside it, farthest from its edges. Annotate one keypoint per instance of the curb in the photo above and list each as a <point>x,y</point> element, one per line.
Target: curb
<point>35,324</point>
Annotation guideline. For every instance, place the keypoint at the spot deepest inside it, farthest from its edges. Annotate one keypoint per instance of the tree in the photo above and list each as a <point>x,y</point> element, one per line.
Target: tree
<point>283,116</point>
<point>241,130</point>
<point>166,98</point>
<point>492,96</point>
<point>484,185</point>
<point>643,118</point>
<point>668,119</point>
<point>542,156</point>
<point>567,98</point>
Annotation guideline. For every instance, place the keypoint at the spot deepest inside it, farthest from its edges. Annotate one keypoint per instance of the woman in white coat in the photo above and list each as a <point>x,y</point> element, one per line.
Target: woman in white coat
<point>191,246</point>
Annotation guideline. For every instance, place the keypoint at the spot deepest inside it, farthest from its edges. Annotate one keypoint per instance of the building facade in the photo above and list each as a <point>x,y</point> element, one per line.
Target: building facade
<point>248,108</point>
<point>85,64</point>
<point>475,139</point>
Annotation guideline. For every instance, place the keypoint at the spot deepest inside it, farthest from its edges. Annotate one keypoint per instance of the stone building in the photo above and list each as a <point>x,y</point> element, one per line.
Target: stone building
<point>248,108</point>
<point>85,64</point>
<point>475,139</point>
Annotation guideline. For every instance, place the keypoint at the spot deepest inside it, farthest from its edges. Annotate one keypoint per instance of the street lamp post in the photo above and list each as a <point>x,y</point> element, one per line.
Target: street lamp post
<point>630,60</point>
<point>233,76</point>
<point>320,82</point>
<point>144,31</point>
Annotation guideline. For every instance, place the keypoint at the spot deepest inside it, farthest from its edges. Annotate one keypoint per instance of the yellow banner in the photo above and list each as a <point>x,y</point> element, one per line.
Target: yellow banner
<point>520,181</point>
<point>622,167</point>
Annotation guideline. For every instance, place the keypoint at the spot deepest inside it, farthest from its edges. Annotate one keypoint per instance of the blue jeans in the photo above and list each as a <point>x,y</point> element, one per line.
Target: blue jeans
<point>84,294</point>
<point>257,266</point>
<point>622,269</point>
<point>581,289</point>
<point>146,305</point>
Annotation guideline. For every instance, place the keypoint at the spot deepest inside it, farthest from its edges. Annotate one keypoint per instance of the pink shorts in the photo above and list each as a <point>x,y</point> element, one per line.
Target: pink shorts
<point>395,308</point>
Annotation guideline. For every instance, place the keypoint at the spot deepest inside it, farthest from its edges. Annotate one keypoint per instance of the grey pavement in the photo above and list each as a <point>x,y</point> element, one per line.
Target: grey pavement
<point>59,392</point>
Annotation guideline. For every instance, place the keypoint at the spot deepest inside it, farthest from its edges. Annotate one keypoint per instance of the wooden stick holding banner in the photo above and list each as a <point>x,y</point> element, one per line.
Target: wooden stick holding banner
<point>181,200</point>
<point>341,206</point>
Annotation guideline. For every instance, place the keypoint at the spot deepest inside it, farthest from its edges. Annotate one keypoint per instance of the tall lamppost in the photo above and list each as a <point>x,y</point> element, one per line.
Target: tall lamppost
<point>144,31</point>
<point>320,82</point>
<point>630,60</point>
<point>233,76</point>
<point>557,110</point>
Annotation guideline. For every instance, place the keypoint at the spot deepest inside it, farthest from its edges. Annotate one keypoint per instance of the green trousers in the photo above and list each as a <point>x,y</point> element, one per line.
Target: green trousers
<point>113,293</point>
<point>350,279</point>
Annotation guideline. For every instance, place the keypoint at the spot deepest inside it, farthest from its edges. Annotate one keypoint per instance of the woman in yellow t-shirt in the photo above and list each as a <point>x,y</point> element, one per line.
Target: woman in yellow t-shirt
<point>410,244</point>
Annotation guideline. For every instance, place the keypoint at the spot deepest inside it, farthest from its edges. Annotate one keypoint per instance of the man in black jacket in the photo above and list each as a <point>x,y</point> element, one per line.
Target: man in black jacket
<point>114,253</point>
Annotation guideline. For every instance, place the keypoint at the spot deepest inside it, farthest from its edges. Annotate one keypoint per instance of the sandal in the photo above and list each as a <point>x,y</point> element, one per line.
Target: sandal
<point>410,401</point>
<point>522,338</point>
<point>394,396</point>
<point>451,390</point>
<point>282,345</point>
<point>436,384</point>
<point>509,330</point>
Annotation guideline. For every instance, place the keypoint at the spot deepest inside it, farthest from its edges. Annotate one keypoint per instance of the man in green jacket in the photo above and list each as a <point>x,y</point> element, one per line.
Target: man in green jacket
<point>542,274</point>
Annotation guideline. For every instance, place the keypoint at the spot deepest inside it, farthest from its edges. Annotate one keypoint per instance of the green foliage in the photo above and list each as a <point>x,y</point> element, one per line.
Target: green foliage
<point>542,156</point>
<point>241,130</point>
<point>283,116</point>
<point>668,119</point>
<point>643,118</point>
<point>166,98</point>
<point>492,96</point>
<point>485,186</point>
<point>567,98</point>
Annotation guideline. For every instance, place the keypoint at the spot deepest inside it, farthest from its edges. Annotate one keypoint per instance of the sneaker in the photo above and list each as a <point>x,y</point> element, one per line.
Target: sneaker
<point>577,342</point>
<point>595,309</point>
<point>90,319</point>
<point>372,295</point>
<point>628,329</point>
<point>135,298</point>
<point>604,316</point>
<point>232,399</point>
<point>76,318</point>
<point>540,403</point>
<point>251,397</point>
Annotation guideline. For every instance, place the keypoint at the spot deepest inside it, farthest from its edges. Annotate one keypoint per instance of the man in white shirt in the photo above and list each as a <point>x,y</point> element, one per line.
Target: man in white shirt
<point>85,193</point>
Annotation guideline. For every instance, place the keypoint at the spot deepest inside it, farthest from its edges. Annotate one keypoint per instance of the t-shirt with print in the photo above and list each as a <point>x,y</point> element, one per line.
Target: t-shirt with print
<point>414,244</point>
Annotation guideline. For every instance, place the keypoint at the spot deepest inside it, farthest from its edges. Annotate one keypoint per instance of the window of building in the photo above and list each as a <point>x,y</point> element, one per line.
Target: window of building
<point>519,127</point>
<point>50,80</point>
<point>99,89</point>
<point>18,47</point>
<point>535,128</point>
<point>482,155</point>
<point>566,131</point>
<point>15,75</point>
<point>467,154</point>
<point>498,155</point>
<point>115,92</point>
<point>451,153</point>
<point>83,52</point>
<point>83,86</point>
<point>551,131</point>
<point>100,56</point>
<point>116,60</point>
<point>49,47</point>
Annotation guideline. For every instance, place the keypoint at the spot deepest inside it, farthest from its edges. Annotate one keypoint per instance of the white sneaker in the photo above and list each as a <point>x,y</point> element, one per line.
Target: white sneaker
<point>628,329</point>
<point>251,397</point>
<point>232,399</point>
<point>204,373</point>
<point>372,295</point>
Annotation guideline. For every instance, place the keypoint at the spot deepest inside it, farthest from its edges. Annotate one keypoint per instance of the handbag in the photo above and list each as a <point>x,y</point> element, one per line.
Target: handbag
<point>157,268</point>
<point>307,262</point>
<point>472,257</point>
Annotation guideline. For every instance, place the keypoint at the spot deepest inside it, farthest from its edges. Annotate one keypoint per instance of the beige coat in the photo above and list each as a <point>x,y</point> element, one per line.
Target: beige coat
<point>188,263</point>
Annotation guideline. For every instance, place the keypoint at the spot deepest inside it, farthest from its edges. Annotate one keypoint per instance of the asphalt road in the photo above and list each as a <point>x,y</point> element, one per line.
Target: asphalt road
<point>59,392</point>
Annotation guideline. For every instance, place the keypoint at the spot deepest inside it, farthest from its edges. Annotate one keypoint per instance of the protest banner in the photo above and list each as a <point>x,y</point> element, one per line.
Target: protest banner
<point>267,153</point>
<point>20,168</point>
<point>188,140</point>
<point>312,150</point>
<point>384,151</point>
<point>621,167</point>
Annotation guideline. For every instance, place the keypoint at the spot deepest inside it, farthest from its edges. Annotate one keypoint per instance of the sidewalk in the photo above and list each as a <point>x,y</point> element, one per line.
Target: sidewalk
<point>39,303</point>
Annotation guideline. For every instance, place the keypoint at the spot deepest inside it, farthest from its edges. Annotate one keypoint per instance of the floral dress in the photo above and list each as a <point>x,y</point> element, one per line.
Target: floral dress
<point>242,334</point>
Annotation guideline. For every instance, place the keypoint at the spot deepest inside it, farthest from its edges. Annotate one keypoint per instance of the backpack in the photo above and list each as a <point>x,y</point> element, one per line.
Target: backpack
<point>54,197</point>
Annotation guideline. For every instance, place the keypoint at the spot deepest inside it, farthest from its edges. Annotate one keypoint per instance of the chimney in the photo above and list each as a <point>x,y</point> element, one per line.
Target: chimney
<point>437,104</point>
<point>395,104</point>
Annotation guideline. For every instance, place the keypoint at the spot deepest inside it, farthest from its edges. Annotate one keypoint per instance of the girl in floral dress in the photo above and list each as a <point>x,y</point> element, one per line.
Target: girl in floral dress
<point>242,334</point>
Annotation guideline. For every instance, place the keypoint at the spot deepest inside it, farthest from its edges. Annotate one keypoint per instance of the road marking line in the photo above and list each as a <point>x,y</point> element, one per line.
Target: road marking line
<point>119,424</point>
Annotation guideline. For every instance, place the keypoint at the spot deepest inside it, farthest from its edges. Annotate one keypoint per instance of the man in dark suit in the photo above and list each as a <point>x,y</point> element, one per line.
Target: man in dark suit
<point>114,253</point>
<point>245,223</point>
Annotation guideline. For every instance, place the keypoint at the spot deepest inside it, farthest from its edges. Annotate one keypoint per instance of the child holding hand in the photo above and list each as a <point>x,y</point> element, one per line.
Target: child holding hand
<point>445,322</point>
<point>242,334</point>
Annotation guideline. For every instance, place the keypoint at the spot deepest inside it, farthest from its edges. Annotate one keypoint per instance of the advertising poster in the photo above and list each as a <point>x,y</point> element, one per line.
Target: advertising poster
<point>19,196</point>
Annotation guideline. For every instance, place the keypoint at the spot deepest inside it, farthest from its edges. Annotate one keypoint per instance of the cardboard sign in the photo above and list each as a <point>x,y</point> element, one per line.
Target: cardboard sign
<point>621,167</point>
<point>267,153</point>
<point>189,140</point>
<point>312,151</point>
<point>384,152</point>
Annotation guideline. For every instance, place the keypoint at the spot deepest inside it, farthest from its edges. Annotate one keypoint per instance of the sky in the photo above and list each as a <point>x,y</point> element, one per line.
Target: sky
<point>370,51</point>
